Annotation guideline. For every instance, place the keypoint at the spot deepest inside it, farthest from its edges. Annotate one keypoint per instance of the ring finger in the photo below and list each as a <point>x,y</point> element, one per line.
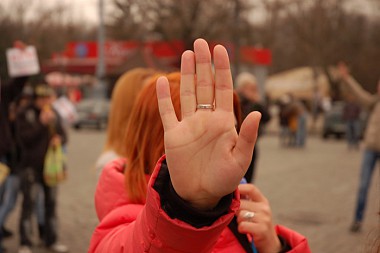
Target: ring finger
<point>247,216</point>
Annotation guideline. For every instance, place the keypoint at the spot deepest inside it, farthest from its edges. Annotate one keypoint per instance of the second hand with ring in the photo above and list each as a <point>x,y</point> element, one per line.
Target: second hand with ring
<point>251,215</point>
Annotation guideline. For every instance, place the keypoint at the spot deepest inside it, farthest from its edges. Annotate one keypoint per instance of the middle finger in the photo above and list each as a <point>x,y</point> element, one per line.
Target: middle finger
<point>204,76</point>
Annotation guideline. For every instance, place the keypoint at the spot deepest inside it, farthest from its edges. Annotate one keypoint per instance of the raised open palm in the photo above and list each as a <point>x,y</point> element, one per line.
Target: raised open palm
<point>205,156</point>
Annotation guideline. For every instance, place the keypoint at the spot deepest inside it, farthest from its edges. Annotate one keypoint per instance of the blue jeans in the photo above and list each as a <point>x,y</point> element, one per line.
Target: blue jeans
<point>301,130</point>
<point>368,166</point>
<point>353,128</point>
<point>31,188</point>
<point>40,211</point>
<point>11,187</point>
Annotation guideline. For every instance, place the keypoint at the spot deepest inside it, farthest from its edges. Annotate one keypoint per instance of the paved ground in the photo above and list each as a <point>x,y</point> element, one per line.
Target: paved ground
<point>311,190</point>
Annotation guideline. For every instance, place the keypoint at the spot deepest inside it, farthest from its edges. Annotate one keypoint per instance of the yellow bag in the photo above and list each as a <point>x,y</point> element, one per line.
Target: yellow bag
<point>54,172</point>
<point>4,172</point>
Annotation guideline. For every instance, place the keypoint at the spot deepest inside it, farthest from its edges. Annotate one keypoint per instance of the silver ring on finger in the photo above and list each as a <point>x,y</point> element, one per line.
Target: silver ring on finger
<point>248,216</point>
<point>205,106</point>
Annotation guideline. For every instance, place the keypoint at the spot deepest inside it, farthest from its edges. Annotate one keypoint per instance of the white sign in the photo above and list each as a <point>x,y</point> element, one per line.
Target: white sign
<point>22,62</point>
<point>66,110</point>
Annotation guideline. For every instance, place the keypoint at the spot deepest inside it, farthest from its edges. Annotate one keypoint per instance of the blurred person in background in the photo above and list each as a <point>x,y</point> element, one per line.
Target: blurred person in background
<point>66,113</point>
<point>65,108</point>
<point>284,101</point>
<point>137,216</point>
<point>301,131</point>
<point>351,115</point>
<point>38,127</point>
<point>250,101</point>
<point>371,153</point>
<point>296,116</point>
<point>316,108</point>
<point>9,92</point>
<point>291,114</point>
<point>123,97</point>
<point>14,95</point>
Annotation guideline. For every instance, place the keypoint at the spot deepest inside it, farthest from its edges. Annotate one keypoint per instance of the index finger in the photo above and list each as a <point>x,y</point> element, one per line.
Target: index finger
<point>252,192</point>
<point>165,104</point>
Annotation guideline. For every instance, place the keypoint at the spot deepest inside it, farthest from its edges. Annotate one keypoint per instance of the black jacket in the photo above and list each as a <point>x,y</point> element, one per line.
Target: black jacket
<point>247,107</point>
<point>9,92</point>
<point>34,138</point>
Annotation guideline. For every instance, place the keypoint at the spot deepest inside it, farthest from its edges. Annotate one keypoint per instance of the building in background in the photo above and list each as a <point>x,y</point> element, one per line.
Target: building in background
<point>77,63</point>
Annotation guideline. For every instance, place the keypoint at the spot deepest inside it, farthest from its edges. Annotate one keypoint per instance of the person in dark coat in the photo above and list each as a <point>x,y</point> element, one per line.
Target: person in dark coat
<point>38,126</point>
<point>250,100</point>
<point>9,93</point>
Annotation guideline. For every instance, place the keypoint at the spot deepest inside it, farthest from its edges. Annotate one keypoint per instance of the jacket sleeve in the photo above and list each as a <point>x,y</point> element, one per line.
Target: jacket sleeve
<point>297,242</point>
<point>153,230</point>
<point>60,129</point>
<point>364,97</point>
<point>12,90</point>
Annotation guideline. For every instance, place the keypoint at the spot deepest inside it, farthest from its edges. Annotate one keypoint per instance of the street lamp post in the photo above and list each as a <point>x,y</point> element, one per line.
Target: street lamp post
<point>100,66</point>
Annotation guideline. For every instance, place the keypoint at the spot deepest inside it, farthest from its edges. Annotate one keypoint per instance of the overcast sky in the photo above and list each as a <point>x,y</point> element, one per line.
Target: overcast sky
<point>88,9</point>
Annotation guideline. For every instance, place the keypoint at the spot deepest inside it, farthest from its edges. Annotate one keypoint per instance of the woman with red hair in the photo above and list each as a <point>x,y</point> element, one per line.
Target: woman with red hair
<point>123,98</point>
<point>189,201</point>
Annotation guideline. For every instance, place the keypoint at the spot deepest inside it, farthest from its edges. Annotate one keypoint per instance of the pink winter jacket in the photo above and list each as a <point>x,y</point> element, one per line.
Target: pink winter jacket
<point>134,228</point>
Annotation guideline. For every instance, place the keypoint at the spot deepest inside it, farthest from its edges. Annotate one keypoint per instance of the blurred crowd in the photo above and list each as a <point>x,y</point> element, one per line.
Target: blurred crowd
<point>34,123</point>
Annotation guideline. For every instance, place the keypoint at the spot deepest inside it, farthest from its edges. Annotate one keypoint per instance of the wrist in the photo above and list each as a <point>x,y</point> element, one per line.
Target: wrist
<point>273,245</point>
<point>277,245</point>
<point>204,204</point>
<point>197,198</point>
<point>179,208</point>
<point>285,246</point>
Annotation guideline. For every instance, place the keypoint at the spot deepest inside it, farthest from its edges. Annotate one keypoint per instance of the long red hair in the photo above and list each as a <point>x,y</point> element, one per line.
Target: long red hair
<point>144,137</point>
<point>124,94</point>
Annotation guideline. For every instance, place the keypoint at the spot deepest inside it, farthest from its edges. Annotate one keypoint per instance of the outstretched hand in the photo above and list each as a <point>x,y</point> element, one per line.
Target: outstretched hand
<point>205,155</point>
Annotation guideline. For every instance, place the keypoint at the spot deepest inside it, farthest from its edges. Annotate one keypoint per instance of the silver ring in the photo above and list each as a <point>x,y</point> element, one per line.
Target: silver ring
<point>248,216</point>
<point>205,106</point>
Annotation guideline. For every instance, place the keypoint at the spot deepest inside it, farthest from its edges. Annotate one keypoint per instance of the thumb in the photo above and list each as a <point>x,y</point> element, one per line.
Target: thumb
<point>247,139</point>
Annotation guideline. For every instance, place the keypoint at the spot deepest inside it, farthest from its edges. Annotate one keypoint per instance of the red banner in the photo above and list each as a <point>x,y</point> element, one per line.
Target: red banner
<point>160,49</point>
<point>81,57</point>
<point>89,49</point>
<point>260,56</point>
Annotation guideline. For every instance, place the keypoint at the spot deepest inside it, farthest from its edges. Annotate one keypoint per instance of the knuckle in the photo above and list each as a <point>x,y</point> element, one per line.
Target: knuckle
<point>224,86</point>
<point>204,83</point>
<point>266,210</point>
<point>187,93</point>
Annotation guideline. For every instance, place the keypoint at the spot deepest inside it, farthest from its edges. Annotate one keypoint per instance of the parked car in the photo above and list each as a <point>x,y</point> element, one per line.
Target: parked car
<point>92,113</point>
<point>334,124</point>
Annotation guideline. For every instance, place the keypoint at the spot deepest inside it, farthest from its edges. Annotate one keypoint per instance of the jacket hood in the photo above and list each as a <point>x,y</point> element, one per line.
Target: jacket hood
<point>111,191</point>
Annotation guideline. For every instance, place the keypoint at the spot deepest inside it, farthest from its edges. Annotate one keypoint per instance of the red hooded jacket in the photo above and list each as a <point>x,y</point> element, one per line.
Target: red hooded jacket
<point>135,228</point>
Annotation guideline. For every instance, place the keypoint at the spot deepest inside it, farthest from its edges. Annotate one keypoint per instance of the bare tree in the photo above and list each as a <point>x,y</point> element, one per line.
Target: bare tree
<point>177,19</point>
<point>49,31</point>
<point>319,34</point>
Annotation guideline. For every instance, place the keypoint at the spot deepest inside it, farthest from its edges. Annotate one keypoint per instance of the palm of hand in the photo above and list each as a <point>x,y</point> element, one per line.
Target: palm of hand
<point>208,140</point>
<point>205,156</point>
